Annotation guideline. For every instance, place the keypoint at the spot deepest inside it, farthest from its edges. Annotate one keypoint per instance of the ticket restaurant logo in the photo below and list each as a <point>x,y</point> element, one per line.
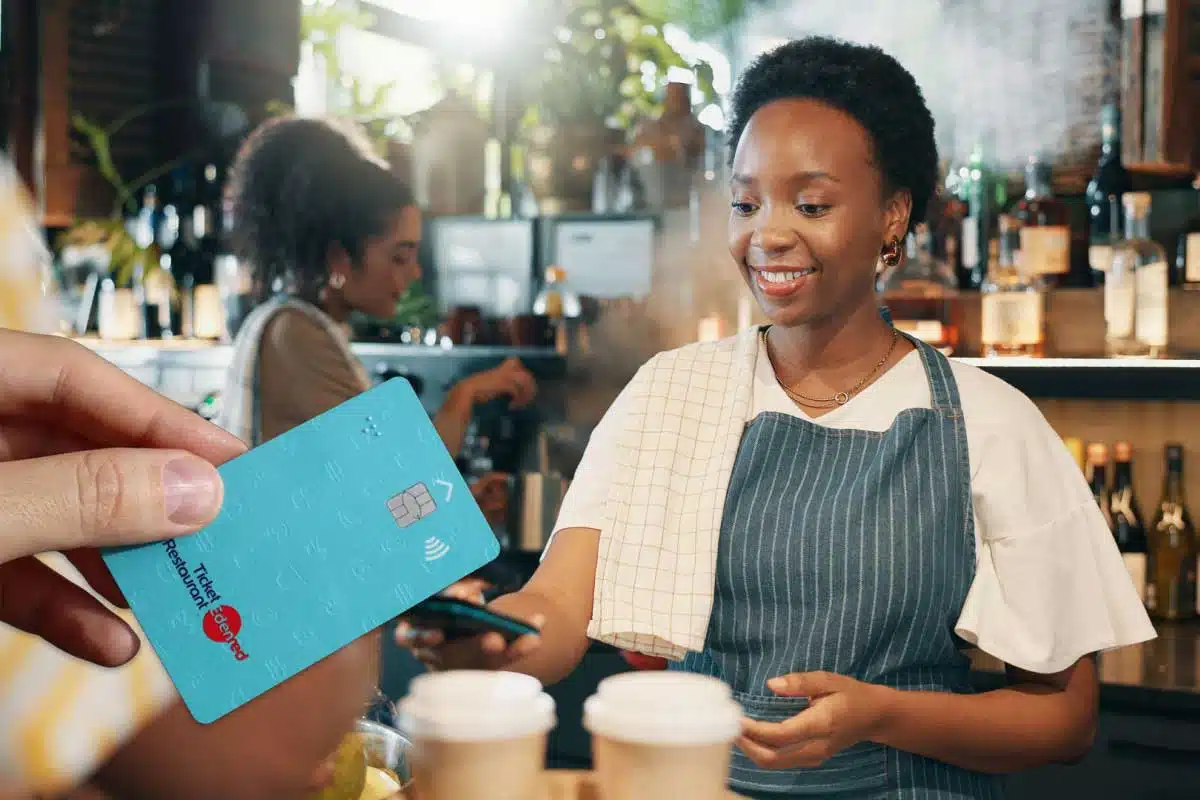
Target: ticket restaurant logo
<point>221,622</point>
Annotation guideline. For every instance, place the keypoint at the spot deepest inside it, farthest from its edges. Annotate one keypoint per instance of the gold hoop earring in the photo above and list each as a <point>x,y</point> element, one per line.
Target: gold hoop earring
<point>337,280</point>
<point>891,252</point>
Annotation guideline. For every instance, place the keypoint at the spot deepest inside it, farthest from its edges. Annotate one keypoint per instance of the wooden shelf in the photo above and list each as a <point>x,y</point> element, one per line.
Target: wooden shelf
<point>1098,378</point>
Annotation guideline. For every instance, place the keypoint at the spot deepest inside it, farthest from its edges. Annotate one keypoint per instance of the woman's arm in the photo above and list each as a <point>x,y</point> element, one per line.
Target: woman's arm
<point>454,417</point>
<point>1036,720</point>
<point>559,594</point>
<point>1039,719</point>
<point>510,379</point>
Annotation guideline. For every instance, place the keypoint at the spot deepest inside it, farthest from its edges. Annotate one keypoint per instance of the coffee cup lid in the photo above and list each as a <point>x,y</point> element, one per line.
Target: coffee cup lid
<point>469,705</point>
<point>671,708</point>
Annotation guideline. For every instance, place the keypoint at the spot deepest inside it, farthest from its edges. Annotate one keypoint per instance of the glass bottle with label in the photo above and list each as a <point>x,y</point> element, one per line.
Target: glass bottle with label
<point>980,190</point>
<point>1075,448</point>
<point>1012,305</point>
<point>559,305</point>
<point>1187,254</point>
<point>1108,185</point>
<point>1135,290</point>
<point>1045,232</point>
<point>1171,590</point>
<point>1096,472</point>
<point>921,294</point>
<point>1125,517</point>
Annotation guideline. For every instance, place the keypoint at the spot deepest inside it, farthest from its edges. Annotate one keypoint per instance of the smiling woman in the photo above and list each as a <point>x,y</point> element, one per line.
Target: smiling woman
<point>823,512</point>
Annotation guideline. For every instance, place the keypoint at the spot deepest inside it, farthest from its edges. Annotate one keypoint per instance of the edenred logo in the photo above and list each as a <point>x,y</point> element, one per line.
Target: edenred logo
<point>222,625</point>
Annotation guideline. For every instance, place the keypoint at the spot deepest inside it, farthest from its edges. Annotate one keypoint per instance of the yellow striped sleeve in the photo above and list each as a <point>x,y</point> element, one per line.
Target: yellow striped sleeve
<point>61,718</point>
<point>28,300</point>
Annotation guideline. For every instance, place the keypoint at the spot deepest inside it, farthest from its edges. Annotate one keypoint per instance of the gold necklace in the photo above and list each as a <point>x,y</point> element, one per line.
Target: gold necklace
<point>841,398</point>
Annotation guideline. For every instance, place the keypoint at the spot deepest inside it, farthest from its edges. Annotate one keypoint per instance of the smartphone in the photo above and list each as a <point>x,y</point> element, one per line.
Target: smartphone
<point>459,619</point>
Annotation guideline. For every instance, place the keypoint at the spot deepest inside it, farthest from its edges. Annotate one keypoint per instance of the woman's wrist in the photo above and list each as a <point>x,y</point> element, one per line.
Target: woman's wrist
<point>460,398</point>
<point>888,717</point>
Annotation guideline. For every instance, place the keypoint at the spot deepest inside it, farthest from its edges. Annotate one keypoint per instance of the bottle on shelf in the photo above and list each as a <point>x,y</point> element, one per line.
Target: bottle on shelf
<point>1125,518</point>
<point>559,305</point>
<point>979,189</point>
<point>921,294</point>
<point>1011,305</point>
<point>1171,590</point>
<point>1045,230</point>
<point>1135,289</point>
<point>1108,185</point>
<point>1074,446</point>
<point>1096,473</point>
<point>1187,252</point>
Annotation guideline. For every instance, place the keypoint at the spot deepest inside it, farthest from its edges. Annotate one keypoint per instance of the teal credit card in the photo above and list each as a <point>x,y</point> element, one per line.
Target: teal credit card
<point>326,533</point>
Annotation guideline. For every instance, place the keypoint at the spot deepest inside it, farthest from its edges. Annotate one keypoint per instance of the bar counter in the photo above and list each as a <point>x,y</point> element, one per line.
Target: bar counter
<point>1159,676</point>
<point>1148,737</point>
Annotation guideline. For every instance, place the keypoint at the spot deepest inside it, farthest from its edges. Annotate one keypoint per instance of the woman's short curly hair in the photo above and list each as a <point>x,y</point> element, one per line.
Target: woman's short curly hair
<point>862,81</point>
<point>300,186</point>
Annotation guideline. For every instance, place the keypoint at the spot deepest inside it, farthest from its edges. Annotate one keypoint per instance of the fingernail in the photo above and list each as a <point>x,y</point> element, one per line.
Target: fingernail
<point>192,489</point>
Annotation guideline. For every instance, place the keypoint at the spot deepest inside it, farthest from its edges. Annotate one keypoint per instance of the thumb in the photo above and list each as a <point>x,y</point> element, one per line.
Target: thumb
<point>803,684</point>
<point>103,497</point>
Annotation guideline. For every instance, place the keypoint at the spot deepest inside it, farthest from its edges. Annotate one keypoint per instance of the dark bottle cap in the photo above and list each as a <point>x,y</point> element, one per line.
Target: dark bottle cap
<point>1174,454</point>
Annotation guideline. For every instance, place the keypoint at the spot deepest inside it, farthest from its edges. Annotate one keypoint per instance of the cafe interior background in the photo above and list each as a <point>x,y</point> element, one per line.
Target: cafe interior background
<point>570,158</point>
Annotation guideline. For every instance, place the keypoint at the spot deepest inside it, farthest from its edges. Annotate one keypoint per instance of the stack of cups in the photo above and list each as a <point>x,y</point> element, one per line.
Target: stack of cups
<point>662,734</point>
<point>477,735</point>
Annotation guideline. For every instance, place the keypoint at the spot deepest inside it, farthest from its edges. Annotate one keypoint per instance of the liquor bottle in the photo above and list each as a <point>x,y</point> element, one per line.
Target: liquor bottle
<point>1012,306</point>
<point>1045,230</point>
<point>1126,518</point>
<point>921,294</point>
<point>1074,446</point>
<point>1171,591</point>
<point>559,305</point>
<point>977,186</point>
<point>1097,477</point>
<point>1187,252</point>
<point>1135,291</point>
<point>1108,185</point>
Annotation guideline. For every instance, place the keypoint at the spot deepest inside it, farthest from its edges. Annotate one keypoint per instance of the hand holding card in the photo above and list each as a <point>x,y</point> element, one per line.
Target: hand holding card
<point>327,532</point>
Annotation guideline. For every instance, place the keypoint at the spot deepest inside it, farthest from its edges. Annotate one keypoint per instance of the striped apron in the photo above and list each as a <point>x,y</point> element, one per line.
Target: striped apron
<point>851,552</point>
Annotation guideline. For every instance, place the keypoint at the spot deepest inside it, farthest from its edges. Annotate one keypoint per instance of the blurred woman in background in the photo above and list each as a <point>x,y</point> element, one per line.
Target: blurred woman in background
<point>326,230</point>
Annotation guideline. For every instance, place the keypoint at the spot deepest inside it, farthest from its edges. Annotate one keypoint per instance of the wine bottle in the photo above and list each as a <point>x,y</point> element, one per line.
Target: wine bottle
<point>1135,289</point>
<point>1108,185</point>
<point>1187,251</point>
<point>1045,230</point>
<point>1171,591</point>
<point>1097,477</point>
<point>1126,519</point>
<point>979,190</point>
<point>1075,448</point>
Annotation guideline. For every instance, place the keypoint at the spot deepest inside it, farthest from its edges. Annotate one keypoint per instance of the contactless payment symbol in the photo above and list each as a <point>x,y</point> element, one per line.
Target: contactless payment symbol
<point>412,505</point>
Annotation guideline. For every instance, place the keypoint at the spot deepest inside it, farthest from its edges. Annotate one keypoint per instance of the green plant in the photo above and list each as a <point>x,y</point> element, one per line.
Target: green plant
<point>125,256</point>
<point>416,308</point>
<point>321,23</point>
<point>587,59</point>
<point>701,18</point>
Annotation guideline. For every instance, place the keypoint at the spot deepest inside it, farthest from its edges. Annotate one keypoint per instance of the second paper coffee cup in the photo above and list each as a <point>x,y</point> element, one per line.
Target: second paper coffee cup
<point>662,734</point>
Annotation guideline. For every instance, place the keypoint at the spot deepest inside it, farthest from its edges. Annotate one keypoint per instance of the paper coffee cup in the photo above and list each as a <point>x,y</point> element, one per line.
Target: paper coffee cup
<point>476,735</point>
<point>662,734</point>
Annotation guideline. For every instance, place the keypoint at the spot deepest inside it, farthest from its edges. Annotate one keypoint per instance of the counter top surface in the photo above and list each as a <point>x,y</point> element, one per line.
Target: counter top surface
<point>1163,673</point>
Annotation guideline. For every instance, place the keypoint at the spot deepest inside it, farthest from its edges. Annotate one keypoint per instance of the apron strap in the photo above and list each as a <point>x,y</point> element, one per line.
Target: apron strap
<point>943,389</point>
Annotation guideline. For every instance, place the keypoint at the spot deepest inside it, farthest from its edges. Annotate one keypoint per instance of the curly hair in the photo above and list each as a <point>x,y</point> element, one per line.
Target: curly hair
<point>300,186</point>
<point>862,81</point>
